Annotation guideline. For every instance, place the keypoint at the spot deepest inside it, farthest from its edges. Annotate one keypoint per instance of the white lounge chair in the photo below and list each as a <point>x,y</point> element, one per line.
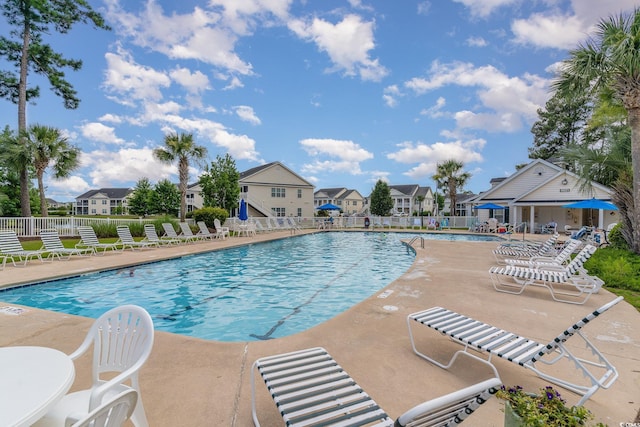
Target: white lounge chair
<point>151,236</point>
<point>571,283</point>
<point>11,249</point>
<point>52,244</point>
<point>525,250</point>
<point>110,414</point>
<point>126,240</point>
<point>122,339</point>
<point>88,239</point>
<point>525,352</point>
<point>221,232</point>
<point>563,257</point>
<point>170,232</point>
<point>203,231</point>
<point>188,233</point>
<point>311,389</point>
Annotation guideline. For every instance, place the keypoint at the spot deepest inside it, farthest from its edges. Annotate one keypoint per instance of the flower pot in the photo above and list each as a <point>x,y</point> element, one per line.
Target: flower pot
<point>511,419</point>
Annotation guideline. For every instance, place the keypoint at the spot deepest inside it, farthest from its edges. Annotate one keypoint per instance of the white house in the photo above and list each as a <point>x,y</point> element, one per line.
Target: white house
<point>536,194</point>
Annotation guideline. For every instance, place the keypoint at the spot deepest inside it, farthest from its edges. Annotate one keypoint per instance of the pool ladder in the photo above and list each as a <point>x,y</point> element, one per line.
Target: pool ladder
<point>416,238</point>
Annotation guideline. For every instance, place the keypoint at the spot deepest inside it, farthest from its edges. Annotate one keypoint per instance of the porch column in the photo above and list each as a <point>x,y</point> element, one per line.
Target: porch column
<point>532,219</point>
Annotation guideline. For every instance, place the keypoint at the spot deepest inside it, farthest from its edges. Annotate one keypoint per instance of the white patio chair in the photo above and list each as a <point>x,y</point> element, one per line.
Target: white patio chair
<point>151,236</point>
<point>110,414</point>
<point>121,339</point>
<point>170,233</point>
<point>203,231</point>
<point>126,240</point>
<point>221,232</point>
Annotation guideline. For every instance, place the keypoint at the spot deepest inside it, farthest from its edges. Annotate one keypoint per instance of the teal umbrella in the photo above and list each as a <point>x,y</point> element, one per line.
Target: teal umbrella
<point>592,204</point>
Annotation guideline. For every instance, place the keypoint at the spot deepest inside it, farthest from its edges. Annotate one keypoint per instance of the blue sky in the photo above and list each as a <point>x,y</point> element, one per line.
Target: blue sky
<point>343,92</point>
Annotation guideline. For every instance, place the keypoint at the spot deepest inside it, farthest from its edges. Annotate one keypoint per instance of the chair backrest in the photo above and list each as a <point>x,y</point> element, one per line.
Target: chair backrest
<point>151,233</point>
<point>88,235</point>
<point>122,339</point>
<point>571,330</point>
<point>112,413</point>
<point>9,242</point>
<point>186,229</point>
<point>451,409</point>
<point>567,250</point>
<point>203,228</point>
<point>216,224</point>
<point>549,244</point>
<point>580,233</point>
<point>124,234</point>
<point>51,239</point>
<point>169,230</point>
<point>578,261</point>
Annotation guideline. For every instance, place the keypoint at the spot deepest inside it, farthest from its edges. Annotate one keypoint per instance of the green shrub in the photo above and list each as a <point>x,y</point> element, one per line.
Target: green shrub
<point>618,268</point>
<point>208,214</point>
<point>104,230</point>
<point>615,238</point>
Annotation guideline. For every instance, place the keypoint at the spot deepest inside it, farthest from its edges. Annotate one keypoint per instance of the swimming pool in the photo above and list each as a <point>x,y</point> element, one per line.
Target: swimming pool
<point>254,292</point>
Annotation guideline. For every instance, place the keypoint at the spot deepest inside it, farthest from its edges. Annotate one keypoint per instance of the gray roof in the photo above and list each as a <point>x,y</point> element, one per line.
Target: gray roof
<point>112,193</point>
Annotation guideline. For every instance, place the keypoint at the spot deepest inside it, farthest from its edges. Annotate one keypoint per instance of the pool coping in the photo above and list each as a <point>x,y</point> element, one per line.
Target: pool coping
<point>188,381</point>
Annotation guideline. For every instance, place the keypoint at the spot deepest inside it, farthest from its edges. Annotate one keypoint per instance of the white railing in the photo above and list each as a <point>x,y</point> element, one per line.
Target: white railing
<point>66,226</point>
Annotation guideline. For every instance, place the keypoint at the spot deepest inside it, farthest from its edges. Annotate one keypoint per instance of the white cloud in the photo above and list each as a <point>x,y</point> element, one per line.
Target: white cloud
<point>348,155</point>
<point>132,82</point>
<point>428,156</point>
<point>508,102</point>
<point>347,43</point>
<point>550,31</point>
<point>109,168</point>
<point>391,95</point>
<point>194,83</point>
<point>247,114</point>
<point>424,8</point>
<point>436,110</point>
<point>484,8</point>
<point>67,188</point>
<point>476,42</point>
<point>100,133</point>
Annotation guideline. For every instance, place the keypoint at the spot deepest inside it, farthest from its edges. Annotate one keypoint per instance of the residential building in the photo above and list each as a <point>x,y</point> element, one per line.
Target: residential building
<point>275,190</point>
<point>194,197</point>
<point>409,199</point>
<point>350,202</point>
<point>104,201</point>
<point>535,195</point>
<point>463,208</point>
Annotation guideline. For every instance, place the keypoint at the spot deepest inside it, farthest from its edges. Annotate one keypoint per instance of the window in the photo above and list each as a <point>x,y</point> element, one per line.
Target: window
<point>299,212</point>
<point>279,211</point>
<point>93,211</point>
<point>93,202</point>
<point>104,202</point>
<point>278,192</point>
<point>299,193</point>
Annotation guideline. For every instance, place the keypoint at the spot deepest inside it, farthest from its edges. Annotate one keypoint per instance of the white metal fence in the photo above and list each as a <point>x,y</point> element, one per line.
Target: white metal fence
<point>66,226</point>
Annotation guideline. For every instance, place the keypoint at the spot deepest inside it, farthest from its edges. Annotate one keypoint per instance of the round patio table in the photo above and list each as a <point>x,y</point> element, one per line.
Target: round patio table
<point>33,380</point>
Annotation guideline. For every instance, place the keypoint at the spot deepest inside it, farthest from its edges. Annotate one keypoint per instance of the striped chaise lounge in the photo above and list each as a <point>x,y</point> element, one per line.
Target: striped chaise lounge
<point>525,250</point>
<point>528,353</point>
<point>570,284</point>
<point>563,257</point>
<point>311,389</point>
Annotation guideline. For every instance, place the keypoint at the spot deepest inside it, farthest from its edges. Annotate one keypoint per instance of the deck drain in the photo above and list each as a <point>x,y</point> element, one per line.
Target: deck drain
<point>385,293</point>
<point>12,311</point>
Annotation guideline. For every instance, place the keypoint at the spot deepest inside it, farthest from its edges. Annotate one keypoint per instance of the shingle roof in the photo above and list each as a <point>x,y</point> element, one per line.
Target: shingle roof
<point>112,193</point>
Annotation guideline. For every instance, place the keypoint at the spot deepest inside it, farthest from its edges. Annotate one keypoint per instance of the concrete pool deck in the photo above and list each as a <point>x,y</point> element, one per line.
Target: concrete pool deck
<point>193,382</point>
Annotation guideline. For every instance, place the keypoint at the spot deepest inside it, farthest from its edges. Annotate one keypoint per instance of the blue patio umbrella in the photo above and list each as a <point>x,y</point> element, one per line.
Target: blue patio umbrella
<point>490,206</point>
<point>328,207</point>
<point>592,204</point>
<point>242,215</point>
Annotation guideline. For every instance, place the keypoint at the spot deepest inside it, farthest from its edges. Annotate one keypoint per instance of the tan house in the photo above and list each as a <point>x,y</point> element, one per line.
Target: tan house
<point>275,190</point>
<point>350,202</point>
<point>193,197</point>
<point>409,199</point>
<point>536,194</point>
<point>104,201</point>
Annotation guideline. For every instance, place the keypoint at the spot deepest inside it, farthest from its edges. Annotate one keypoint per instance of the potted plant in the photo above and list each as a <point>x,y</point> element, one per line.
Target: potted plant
<point>545,409</point>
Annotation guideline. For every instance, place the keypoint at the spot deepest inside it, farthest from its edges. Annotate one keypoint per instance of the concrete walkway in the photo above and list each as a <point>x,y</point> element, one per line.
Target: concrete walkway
<point>193,382</point>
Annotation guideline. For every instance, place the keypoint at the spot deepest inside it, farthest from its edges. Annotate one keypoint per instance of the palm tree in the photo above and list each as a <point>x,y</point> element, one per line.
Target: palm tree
<point>611,60</point>
<point>449,176</point>
<point>183,149</point>
<point>44,145</point>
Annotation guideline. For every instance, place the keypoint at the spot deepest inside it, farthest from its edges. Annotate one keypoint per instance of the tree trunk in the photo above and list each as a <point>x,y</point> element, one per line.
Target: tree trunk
<point>43,200</point>
<point>634,123</point>
<point>25,206</point>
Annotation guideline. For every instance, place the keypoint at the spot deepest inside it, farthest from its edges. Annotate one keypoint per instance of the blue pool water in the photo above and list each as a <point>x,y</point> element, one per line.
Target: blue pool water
<point>259,291</point>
